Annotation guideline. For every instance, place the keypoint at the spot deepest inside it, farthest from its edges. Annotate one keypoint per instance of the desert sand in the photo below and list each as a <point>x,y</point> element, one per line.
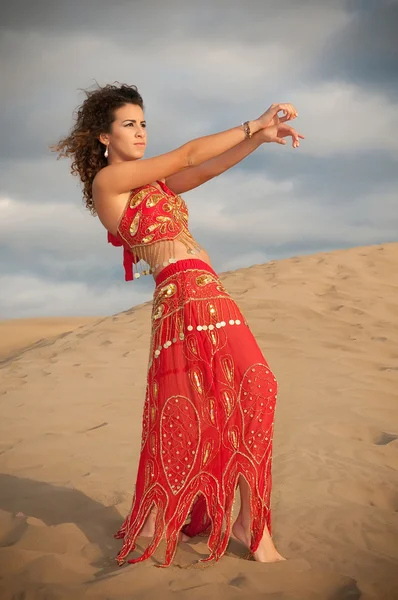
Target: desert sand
<point>20,334</point>
<point>70,437</point>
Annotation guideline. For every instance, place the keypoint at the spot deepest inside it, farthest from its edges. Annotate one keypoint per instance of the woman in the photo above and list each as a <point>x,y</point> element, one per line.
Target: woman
<point>210,397</point>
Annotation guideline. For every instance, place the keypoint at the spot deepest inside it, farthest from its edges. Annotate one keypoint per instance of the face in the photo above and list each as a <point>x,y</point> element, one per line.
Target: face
<point>127,140</point>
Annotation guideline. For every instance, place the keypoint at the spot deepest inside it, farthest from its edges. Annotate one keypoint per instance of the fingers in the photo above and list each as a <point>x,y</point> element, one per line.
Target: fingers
<point>296,139</point>
<point>289,112</point>
<point>286,130</point>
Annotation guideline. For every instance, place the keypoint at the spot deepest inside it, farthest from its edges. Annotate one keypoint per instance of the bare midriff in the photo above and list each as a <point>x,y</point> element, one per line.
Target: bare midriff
<point>180,252</point>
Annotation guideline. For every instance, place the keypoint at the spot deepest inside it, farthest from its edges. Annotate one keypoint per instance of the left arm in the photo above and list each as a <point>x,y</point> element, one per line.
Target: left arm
<point>192,177</point>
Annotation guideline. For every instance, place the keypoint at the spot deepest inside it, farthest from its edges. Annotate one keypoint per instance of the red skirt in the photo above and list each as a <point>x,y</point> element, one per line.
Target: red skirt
<point>208,417</point>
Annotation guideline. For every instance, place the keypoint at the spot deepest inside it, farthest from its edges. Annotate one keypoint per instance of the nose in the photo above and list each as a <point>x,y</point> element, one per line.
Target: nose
<point>140,132</point>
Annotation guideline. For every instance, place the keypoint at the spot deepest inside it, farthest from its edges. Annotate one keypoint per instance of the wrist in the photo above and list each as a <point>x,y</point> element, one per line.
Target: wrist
<point>258,138</point>
<point>255,126</point>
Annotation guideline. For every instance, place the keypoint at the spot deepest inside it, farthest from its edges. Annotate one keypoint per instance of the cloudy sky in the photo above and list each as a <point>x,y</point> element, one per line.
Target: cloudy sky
<point>201,67</point>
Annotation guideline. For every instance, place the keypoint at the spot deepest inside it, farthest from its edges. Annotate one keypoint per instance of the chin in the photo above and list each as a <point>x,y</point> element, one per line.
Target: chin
<point>138,153</point>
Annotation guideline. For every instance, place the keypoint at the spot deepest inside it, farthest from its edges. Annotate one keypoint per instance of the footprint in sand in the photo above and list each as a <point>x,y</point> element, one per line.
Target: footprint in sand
<point>95,427</point>
<point>385,438</point>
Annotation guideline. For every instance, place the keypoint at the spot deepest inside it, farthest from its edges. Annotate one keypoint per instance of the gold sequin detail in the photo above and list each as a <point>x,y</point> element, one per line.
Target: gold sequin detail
<point>212,403</point>
<point>192,345</point>
<point>228,401</point>
<point>206,452</point>
<point>153,200</point>
<point>148,473</point>
<point>233,436</point>
<point>134,224</point>
<point>153,444</point>
<point>196,377</point>
<point>214,336</point>
<point>159,311</point>
<point>153,414</point>
<point>155,389</point>
<point>204,279</point>
<point>138,198</point>
<point>168,290</point>
<point>212,311</point>
<point>148,238</point>
<point>228,368</point>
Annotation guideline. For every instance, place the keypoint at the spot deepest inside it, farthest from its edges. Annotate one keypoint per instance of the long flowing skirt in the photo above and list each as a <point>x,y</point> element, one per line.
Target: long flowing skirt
<point>208,417</point>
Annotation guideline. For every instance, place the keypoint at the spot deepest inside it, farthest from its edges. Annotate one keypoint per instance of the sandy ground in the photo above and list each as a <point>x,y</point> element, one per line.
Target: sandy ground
<point>70,436</point>
<point>19,334</point>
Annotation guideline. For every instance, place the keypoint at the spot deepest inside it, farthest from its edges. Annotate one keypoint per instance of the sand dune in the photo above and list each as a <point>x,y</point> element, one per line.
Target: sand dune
<point>19,334</point>
<point>70,436</point>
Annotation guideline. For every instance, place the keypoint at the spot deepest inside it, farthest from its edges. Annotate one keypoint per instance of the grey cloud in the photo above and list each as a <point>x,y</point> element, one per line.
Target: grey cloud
<point>123,17</point>
<point>200,69</point>
<point>365,51</point>
<point>334,180</point>
<point>178,54</point>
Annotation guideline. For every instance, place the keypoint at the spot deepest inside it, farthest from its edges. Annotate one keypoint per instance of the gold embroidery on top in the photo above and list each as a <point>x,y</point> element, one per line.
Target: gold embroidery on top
<point>178,209</point>
<point>163,224</point>
<point>153,200</point>
<point>138,198</point>
<point>148,238</point>
<point>134,224</point>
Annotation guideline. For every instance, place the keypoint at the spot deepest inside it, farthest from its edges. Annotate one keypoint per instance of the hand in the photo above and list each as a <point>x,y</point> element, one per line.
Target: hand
<point>271,117</point>
<point>277,133</point>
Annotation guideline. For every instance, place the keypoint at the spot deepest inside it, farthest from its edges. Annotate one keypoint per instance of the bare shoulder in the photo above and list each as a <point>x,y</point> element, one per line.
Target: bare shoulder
<point>123,176</point>
<point>109,207</point>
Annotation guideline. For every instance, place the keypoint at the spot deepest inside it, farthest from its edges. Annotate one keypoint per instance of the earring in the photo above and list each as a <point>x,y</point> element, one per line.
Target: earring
<point>106,152</point>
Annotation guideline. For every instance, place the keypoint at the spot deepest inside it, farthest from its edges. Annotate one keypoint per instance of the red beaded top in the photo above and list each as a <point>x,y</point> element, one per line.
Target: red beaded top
<point>150,216</point>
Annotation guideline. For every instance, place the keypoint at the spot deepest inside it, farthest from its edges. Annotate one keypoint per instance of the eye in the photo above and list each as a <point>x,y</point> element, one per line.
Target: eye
<point>143,125</point>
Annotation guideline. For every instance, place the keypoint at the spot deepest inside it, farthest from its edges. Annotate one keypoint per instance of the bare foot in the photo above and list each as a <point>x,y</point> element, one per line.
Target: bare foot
<point>266,551</point>
<point>148,529</point>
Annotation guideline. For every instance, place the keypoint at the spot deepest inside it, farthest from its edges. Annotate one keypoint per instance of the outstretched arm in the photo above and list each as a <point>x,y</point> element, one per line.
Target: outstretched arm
<point>193,177</point>
<point>124,176</point>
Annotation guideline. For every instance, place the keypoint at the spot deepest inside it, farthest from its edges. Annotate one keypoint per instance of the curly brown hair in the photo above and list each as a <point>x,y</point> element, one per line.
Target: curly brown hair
<point>93,117</point>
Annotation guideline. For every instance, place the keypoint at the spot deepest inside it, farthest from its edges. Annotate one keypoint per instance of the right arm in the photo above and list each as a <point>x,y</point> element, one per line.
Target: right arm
<point>125,176</point>
<point>130,174</point>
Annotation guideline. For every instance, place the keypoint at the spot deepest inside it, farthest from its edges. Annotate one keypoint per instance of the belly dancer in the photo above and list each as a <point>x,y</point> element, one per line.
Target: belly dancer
<point>208,417</point>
